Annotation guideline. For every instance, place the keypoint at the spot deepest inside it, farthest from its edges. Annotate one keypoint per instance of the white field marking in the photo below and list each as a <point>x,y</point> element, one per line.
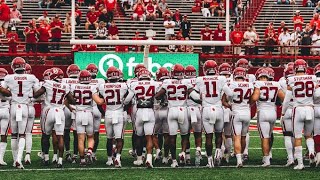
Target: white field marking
<point>133,168</point>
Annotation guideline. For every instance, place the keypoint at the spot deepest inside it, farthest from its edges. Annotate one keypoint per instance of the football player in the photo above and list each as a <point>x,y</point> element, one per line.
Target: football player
<point>82,93</point>
<point>241,113</point>
<point>303,89</point>
<point>113,93</point>
<point>211,88</point>
<point>72,72</point>
<point>143,92</point>
<point>177,89</point>
<point>22,86</point>
<point>97,110</point>
<point>55,95</point>
<point>316,135</point>
<point>4,120</point>
<point>265,94</point>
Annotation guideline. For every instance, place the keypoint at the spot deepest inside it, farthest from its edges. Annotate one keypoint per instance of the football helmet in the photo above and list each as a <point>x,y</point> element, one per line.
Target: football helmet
<point>300,65</point>
<point>73,71</point>
<point>93,69</point>
<point>177,71</point>
<point>144,74</point>
<point>262,72</point>
<point>18,64</point>
<point>138,68</point>
<point>242,63</point>
<point>289,71</point>
<point>46,74</point>
<point>239,72</point>
<point>190,72</point>
<point>113,73</point>
<point>270,73</point>
<point>210,67</point>
<point>3,73</point>
<point>225,69</point>
<point>162,74</point>
<point>316,69</point>
<point>28,69</point>
<point>56,74</point>
<point>84,77</point>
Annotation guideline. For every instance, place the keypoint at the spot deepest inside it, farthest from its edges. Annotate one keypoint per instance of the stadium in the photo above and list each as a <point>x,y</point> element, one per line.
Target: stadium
<point>159,89</point>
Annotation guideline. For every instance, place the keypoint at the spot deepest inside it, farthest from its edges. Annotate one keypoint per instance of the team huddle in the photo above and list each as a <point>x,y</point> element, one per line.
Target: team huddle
<point>218,104</point>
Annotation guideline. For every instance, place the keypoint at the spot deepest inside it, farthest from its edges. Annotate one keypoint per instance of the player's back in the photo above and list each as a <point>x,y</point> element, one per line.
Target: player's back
<point>21,87</point>
<point>55,93</point>
<point>242,92</point>
<point>190,102</point>
<point>283,84</point>
<point>176,91</point>
<point>82,93</point>
<point>268,93</point>
<point>210,88</point>
<point>303,88</point>
<point>144,89</point>
<point>113,93</point>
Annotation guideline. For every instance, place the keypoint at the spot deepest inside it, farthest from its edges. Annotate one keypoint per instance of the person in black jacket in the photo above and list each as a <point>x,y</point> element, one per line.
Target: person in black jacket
<point>104,17</point>
<point>185,27</point>
<point>306,40</point>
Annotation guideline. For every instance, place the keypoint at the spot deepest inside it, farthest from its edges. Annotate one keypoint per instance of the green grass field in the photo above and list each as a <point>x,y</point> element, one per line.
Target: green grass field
<point>99,170</point>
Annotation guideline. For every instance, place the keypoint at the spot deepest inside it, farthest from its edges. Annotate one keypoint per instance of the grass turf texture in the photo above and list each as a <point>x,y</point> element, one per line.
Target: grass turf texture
<point>99,170</point>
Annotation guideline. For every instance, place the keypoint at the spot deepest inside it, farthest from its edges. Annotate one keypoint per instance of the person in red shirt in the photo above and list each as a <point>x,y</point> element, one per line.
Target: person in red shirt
<point>177,17</point>
<point>167,13</point>
<point>236,38</point>
<point>12,37</point>
<point>270,27</point>
<point>30,34</point>
<point>113,31</point>
<point>78,47</point>
<point>315,21</point>
<point>206,35</point>
<point>56,32</point>
<point>78,15</point>
<point>136,48</point>
<point>138,12</point>
<point>92,19</point>
<point>151,12</point>
<point>4,17</point>
<point>111,7</point>
<point>44,36</point>
<point>298,20</point>
<point>91,47</point>
<point>280,29</point>
<point>219,35</point>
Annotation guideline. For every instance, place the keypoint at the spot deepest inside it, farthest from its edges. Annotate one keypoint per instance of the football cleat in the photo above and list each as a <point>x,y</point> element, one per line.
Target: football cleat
<point>74,159</point>
<point>182,158</point>
<point>217,159</point>
<point>317,159</point>
<point>45,163</point>
<point>188,162</point>
<point>299,167</point>
<point>198,158</point>
<point>132,153</point>
<point>27,160</point>
<point>165,160</point>
<point>174,164</point>
<point>210,163</point>
<point>2,163</point>
<point>19,165</point>
<point>226,157</point>
<point>68,158</point>
<point>149,164</point>
<point>109,162</point>
<point>266,164</point>
<point>89,158</point>
<point>158,155</point>
<point>245,157</point>
<point>117,163</point>
<point>59,165</point>
<point>239,165</point>
<point>312,160</point>
<point>289,163</point>
<point>138,162</point>
<point>54,159</point>
<point>94,157</point>
<point>83,163</point>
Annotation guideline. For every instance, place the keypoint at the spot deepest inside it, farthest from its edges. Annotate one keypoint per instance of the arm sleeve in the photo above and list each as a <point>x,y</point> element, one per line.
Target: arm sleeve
<point>226,89</point>
<point>129,97</point>
<point>286,101</point>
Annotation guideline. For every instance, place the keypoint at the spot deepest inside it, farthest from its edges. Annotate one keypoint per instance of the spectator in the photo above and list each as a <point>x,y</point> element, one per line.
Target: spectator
<point>91,47</point>
<point>44,4</point>
<point>295,38</point>
<point>56,31</point>
<point>236,38</point>
<point>206,8</point>
<point>316,43</point>
<point>256,47</point>
<point>179,36</point>
<point>44,35</point>
<point>30,34</point>
<point>169,28</point>
<point>172,48</point>
<point>15,16</point>
<point>104,17</point>
<point>111,7</point>
<point>92,19</point>
<point>139,10</point>
<point>4,17</point>
<point>44,17</point>
<point>67,23</point>
<point>185,27</point>
<point>219,35</point>
<point>306,39</point>
<point>162,7</point>
<point>136,48</point>
<point>213,7</point>
<point>113,31</point>
<point>270,40</point>
<point>280,29</point>
<point>19,4</point>
<point>151,12</point>
<point>284,41</point>
<point>317,8</point>
<point>238,8</point>
<point>270,27</point>
<point>100,9</point>
<point>78,15</point>
<point>127,4</point>
<point>101,32</point>
<point>12,37</point>
<point>315,21</point>
<point>58,3</point>
<point>197,6</point>
<point>298,20</point>
<point>177,17</point>
<point>283,1</point>
<point>166,14</point>
<point>78,47</point>
<point>220,10</point>
<point>206,35</point>
<point>188,48</point>
<point>250,38</point>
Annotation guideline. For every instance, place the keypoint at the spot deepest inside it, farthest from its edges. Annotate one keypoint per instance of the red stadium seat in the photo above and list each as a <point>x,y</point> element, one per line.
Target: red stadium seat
<point>121,48</point>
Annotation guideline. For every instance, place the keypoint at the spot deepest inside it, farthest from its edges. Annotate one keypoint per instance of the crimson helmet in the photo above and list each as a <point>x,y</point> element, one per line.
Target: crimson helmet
<point>262,72</point>
<point>300,65</point>
<point>84,77</point>
<point>162,74</point>
<point>210,67</point>
<point>239,72</point>
<point>317,69</point>
<point>28,69</point>
<point>225,69</point>
<point>190,72</point>
<point>18,64</point>
<point>56,74</point>
<point>270,73</point>
<point>3,73</point>
<point>93,69</point>
<point>113,73</point>
<point>138,68</point>
<point>289,71</point>
<point>144,74</point>
<point>46,74</point>
<point>177,71</point>
<point>73,71</point>
<point>242,63</point>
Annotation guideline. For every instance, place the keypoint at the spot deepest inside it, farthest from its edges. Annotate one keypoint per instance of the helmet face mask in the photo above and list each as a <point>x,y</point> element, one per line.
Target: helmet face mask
<point>300,66</point>
<point>177,71</point>
<point>144,75</point>
<point>210,67</point>
<point>190,72</point>
<point>84,77</point>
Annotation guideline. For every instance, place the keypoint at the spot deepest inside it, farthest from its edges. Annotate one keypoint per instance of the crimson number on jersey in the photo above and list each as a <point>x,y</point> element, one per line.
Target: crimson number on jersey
<point>241,95</point>
<point>54,96</point>
<point>268,92</point>
<point>113,96</point>
<point>303,89</point>
<point>177,92</point>
<point>83,97</point>
<point>211,89</point>
<point>143,93</point>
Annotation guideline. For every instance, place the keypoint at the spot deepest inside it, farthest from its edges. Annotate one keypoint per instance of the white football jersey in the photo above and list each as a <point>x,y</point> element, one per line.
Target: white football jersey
<point>316,101</point>
<point>82,93</point>
<point>4,102</point>
<point>283,84</point>
<point>242,92</point>
<point>21,87</point>
<point>191,103</point>
<point>303,88</point>
<point>70,81</point>
<point>251,78</point>
<point>144,89</point>
<point>268,93</point>
<point>97,82</point>
<point>211,89</point>
<point>113,94</point>
<point>55,93</point>
<point>176,91</point>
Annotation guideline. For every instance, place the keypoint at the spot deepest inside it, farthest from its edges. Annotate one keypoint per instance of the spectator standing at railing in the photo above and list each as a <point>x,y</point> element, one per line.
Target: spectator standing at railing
<point>56,32</point>
<point>4,17</point>
<point>78,15</point>
<point>317,8</point>
<point>295,40</point>
<point>113,31</point>
<point>111,8</point>
<point>219,35</point>
<point>139,11</point>
<point>298,20</point>
<point>91,47</point>
<point>186,27</point>
<point>236,38</point>
<point>250,38</point>
<point>166,14</point>
<point>270,27</point>
<point>282,26</point>
<point>169,28</point>
<point>92,19</point>
<point>12,37</point>
<point>162,7</point>
<point>316,42</point>
<point>15,16</point>
<point>136,48</point>
<point>67,23</point>
<point>101,31</point>
<point>151,12</point>
<point>30,34</point>
<point>206,35</point>
<point>315,21</point>
<point>270,41</point>
<point>44,35</point>
<point>78,47</point>
<point>177,17</point>
<point>306,39</point>
<point>284,41</point>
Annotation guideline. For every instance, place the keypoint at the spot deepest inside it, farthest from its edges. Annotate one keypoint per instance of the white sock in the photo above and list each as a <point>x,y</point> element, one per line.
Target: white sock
<point>266,159</point>
<point>28,143</point>
<point>139,158</point>
<point>3,147</point>
<point>60,160</point>
<point>310,145</point>
<point>228,144</point>
<point>158,151</point>
<point>298,154</point>
<point>217,153</point>
<point>109,158</point>
<point>118,156</point>
<point>239,158</point>
<point>246,151</point>
<point>22,143</point>
<point>198,149</point>
<point>14,148</point>
<point>289,147</point>
<point>46,157</point>
<point>149,158</point>
<point>55,157</point>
